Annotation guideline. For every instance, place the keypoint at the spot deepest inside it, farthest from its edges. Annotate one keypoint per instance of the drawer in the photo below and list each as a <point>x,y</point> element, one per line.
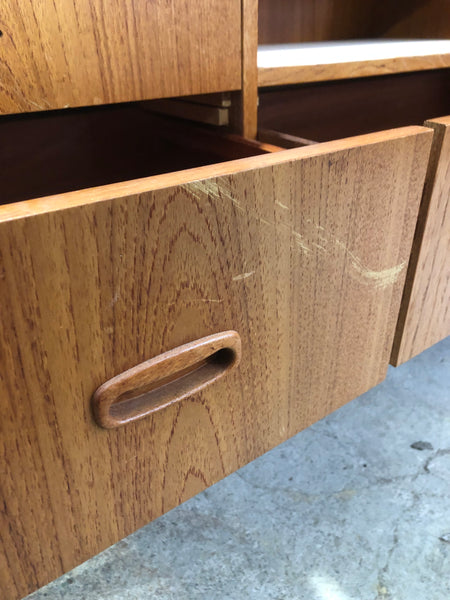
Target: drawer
<point>332,110</point>
<point>302,253</point>
<point>60,54</point>
<point>424,315</point>
<point>293,116</point>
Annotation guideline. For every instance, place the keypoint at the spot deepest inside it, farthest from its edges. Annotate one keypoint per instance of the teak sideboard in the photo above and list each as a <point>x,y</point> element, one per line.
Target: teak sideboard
<point>200,257</point>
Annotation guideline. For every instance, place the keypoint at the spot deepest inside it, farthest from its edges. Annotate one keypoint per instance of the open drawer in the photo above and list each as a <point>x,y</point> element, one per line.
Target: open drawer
<point>335,109</point>
<point>300,115</point>
<point>302,253</point>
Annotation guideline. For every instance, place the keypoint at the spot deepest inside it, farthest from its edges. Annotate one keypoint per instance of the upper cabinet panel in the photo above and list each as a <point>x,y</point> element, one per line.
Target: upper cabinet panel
<point>294,21</point>
<point>329,39</point>
<point>85,52</point>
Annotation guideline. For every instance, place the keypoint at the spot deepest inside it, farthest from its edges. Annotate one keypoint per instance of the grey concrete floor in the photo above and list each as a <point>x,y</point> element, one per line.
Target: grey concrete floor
<point>348,509</point>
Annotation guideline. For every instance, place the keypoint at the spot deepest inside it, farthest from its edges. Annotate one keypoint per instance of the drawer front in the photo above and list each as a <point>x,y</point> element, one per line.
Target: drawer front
<point>425,311</point>
<point>302,252</point>
<point>86,52</point>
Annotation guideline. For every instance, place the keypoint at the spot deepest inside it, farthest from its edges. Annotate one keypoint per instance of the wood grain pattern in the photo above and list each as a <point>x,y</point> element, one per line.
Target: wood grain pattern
<point>298,21</point>
<point>417,19</point>
<point>287,75</point>
<point>302,252</point>
<point>249,68</point>
<point>166,379</point>
<point>244,105</point>
<point>85,52</point>
<point>336,109</point>
<point>90,195</point>
<point>311,21</point>
<point>98,145</point>
<point>425,311</point>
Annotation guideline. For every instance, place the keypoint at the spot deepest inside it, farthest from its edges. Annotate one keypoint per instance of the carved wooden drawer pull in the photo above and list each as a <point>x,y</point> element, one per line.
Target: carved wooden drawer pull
<point>165,379</point>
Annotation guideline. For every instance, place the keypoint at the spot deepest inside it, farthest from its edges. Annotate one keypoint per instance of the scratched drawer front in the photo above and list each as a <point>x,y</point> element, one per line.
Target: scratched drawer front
<point>86,52</point>
<point>302,252</point>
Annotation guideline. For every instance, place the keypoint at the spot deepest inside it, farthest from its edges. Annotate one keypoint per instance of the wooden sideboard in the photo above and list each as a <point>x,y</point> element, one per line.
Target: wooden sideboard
<point>126,234</point>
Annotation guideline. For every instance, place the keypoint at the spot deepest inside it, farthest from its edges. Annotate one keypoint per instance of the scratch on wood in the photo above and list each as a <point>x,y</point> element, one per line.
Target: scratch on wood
<point>205,300</point>
<point>115,298</point>
<point>282,205</point>
<point>18,92</point>
<point>319,247</point>
<point>380,279</point>
<point>36,105</point>
<point>212,189</point>
<point>300,241</point>
<point>243,276</point>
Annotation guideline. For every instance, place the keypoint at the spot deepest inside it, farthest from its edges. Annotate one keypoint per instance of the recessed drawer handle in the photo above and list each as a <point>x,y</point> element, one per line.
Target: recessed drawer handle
<point>165,379</point>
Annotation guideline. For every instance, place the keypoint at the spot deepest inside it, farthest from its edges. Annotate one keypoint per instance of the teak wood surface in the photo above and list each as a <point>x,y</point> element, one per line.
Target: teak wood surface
<point>249,68</point>
<point>160,382</point>
<point>302,252</point>
<point>288,75</point>
<point>425,310</point>
<point>337,109</point>
<point>103,145</point>
<point>292,21</point>
<point>244,105</point>
<point>298,21</point>
<point>86,52</point>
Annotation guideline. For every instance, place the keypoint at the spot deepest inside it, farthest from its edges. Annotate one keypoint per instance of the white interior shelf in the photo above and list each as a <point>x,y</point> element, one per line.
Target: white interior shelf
<point>351,58</point>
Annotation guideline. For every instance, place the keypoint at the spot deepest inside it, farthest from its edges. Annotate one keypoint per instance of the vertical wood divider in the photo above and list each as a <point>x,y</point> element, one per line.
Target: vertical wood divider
<point>243,113</point>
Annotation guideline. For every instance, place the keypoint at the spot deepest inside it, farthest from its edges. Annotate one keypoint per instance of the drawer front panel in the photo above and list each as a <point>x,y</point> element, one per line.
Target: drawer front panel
<point>425,311</point>
<point>86,52</point>
<point>304,256</point>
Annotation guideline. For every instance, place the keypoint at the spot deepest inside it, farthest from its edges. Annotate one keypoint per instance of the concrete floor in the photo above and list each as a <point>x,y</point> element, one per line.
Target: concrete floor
<point>357,507</point>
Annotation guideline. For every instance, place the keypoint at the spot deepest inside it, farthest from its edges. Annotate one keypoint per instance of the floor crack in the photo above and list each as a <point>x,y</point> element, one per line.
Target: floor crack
<point>430,459</point>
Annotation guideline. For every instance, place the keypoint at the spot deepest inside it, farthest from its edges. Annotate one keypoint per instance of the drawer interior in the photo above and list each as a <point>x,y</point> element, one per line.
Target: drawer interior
<point>60,151</point>
<point>337,109</point>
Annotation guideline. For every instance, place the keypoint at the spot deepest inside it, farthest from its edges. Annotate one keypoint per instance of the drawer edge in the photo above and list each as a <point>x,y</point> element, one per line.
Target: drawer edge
<point>47,204</point>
